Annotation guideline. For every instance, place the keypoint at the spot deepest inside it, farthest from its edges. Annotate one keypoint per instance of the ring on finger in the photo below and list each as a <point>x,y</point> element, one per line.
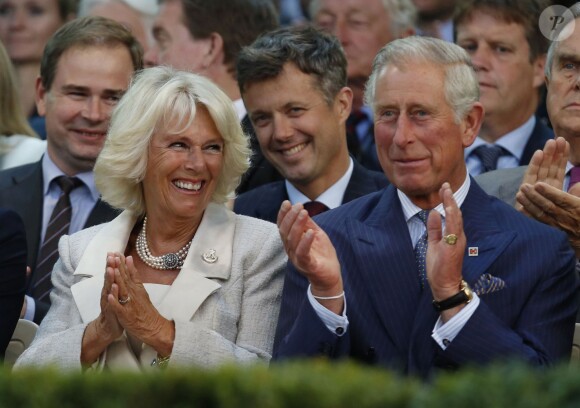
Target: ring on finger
<point>125,300</point>
<point>450,239</point>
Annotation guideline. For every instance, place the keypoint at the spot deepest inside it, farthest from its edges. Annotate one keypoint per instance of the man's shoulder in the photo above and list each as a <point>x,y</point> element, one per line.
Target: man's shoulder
<point>357,209</point>
<point>270,194</point>
<point>378,178</point>
<point>502,183</point>
<point>8,176</point>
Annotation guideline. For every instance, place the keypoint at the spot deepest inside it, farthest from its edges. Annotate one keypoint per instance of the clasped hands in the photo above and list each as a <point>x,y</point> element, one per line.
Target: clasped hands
<point>125,306</point>
<point>312,253</point>
<point>541,197</point>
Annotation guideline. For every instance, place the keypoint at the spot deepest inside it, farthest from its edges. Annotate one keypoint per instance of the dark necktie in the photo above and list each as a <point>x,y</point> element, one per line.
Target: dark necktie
<point>421,249</point>
<point>574,176</point>
<point>315,208</point>
<point>489,155</point>
<point>58,225</point>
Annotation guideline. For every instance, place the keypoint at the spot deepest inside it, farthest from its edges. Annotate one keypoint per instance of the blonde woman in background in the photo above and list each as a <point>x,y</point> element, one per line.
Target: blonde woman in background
<point>18,142</point>
<point>25,27</point>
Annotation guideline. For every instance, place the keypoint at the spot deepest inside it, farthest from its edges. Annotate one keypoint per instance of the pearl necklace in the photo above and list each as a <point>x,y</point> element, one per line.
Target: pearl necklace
<point>163,262</point>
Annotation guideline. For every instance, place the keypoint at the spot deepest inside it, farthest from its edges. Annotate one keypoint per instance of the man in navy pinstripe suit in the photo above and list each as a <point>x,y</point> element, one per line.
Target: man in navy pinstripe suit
<point>498,285</point>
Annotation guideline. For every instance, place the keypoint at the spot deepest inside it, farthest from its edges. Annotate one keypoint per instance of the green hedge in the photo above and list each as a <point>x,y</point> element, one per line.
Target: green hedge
<point>313,384</point>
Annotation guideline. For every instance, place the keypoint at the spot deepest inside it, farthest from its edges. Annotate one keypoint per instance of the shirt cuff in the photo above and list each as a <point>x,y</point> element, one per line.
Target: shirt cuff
<point>444,333</point>
<point>333,322</point>
<point>30,308</point>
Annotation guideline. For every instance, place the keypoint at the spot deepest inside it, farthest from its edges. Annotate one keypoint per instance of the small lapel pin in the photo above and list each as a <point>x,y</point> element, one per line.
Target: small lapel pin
<point>473,251</point>
<point>210,256</point>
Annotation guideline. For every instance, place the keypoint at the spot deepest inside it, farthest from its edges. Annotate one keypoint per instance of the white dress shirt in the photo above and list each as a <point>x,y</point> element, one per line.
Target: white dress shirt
<point>331,197</point>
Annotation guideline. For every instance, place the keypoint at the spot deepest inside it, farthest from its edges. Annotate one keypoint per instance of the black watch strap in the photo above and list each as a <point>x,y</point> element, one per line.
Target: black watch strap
<point>463,296</point>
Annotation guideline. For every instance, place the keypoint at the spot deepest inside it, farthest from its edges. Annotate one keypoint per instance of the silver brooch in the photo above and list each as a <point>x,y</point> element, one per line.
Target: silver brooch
<point>209,256</point>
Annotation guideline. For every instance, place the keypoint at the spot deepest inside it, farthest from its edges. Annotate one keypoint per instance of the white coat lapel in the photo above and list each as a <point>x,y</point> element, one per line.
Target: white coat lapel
<point>113,237</point>
<point>193,284</point>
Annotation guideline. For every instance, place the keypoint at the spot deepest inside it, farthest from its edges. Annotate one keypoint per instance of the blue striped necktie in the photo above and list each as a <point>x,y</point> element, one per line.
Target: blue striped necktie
<point>489,155</point>
<point>421,249</point>
<point>58,226</point>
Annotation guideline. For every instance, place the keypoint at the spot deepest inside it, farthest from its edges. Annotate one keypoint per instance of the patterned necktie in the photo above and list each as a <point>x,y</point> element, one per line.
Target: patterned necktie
<point>315,208</point>
<point>489,155</point>
<point>574,176</point>
<point>421,249</point>
<point>58,225</point>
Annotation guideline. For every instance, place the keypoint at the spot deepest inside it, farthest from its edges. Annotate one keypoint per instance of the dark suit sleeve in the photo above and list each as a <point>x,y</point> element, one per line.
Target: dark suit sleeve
<point>300,332</point>
<point>542,333</point>
<point>12,274</point>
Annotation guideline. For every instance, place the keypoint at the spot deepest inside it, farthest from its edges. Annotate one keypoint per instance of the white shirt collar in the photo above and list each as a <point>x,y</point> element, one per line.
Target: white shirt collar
<point>332,197</point>
<point>514,141</point>
<point>240,108</point>
<point>51,171</point>
<point>410,209</point>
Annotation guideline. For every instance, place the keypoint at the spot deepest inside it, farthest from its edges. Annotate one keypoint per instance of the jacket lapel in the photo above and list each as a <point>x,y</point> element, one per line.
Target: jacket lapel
<point>26,197</point>
<point>482,232</point>
<point>359,183</point>
<point>192,285</point>
<point>268,208</point>
<point>382,243</point>
<point>102,212</point>
<point>113,237</point>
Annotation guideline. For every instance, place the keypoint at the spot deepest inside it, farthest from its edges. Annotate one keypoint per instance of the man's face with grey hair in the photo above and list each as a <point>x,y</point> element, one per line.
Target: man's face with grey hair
<point>563,98</point>
<point>363,28</point>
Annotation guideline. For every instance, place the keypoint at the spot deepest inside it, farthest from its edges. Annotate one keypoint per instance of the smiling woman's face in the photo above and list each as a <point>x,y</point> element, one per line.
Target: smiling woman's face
<point>26,26</point>
<point>183,169</point>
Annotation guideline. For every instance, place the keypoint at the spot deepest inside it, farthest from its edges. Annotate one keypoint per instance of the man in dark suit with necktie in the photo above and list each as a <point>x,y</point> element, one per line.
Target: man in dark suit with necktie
<point>293,83</point>
<point>478,283</point>
<point>86,67</point>
<point>508,51</point>
<point>543,190</point>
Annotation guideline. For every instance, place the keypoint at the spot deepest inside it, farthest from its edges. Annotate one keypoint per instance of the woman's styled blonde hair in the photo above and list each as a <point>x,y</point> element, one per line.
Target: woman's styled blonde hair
<point>157,99</point>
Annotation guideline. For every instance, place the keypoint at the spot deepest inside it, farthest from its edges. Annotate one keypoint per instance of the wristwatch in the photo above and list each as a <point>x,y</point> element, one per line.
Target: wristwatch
<point>464,295</point>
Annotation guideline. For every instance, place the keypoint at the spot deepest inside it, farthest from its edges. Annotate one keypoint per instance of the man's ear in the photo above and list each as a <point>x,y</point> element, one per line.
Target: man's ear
<point>40,97</point>
<point>215,53</point>
<point>539,66</point>
<point>343,103</point>
<point>472,123</point>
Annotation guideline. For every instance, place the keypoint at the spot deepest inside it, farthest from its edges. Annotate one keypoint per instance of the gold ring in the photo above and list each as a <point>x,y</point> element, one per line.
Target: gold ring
<point>450,239</point>
<point>124,301</point>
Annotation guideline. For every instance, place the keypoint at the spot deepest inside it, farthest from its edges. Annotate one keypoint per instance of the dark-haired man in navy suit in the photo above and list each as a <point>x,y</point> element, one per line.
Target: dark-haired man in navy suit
<point>380,281</point>
<point>293,83</point>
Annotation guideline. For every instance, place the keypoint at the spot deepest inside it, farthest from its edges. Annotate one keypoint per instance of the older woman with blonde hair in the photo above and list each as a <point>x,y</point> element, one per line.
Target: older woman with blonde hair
<point>177,278</point>
<point>19,144</point>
